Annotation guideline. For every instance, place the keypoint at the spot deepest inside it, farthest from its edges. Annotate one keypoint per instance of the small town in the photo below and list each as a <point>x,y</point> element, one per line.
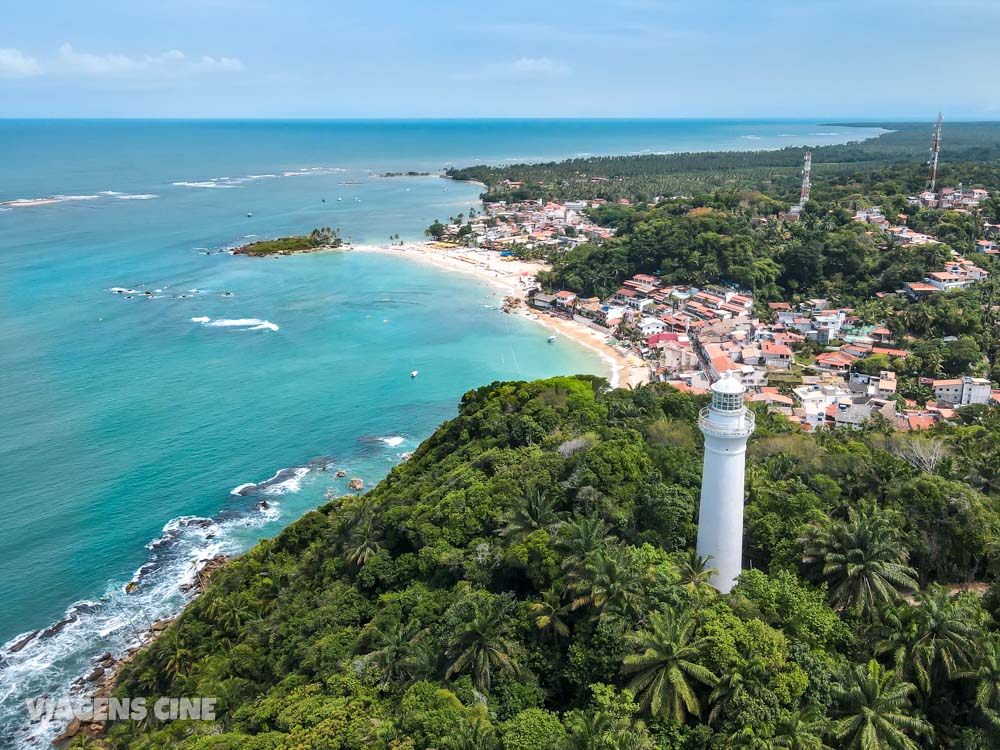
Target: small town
<point>811,362</point>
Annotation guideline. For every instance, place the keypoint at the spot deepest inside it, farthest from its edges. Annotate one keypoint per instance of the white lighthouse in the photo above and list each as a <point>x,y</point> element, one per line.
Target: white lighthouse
<point>726,425</point>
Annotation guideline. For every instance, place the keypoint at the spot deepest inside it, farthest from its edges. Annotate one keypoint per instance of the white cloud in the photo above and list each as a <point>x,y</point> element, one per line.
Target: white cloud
<point>16,64</point>
<point>524,68</point>
<point>68,61</point>
<point>226,64</point>
<point>171,62</point>
<point>540,66</point>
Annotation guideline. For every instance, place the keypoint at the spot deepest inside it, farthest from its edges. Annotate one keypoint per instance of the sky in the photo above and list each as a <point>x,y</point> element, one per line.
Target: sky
<point>891,59</point>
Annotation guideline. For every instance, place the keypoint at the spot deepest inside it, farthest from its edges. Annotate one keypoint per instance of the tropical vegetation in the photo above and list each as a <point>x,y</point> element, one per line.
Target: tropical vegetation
<point>527,580</point>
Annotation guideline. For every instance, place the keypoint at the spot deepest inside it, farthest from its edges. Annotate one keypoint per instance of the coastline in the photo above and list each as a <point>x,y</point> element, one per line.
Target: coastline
<point>510,275</point>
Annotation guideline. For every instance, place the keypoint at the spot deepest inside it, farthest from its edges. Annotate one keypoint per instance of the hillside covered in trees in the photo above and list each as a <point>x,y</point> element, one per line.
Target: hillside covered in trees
<point>737,238</point>
<point>777,173</point>
<point>526,581</point>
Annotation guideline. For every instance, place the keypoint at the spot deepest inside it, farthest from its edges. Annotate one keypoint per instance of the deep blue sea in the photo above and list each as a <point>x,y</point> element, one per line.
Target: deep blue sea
<point>126,423</point>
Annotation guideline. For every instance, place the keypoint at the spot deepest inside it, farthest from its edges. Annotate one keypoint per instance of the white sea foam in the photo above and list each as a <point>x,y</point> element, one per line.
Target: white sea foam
<point>393,441</point>
<point>243,324</point>
<point>137,197</point>
<point>47,200</point>
<point>204,184</point>
<point>283,482</point>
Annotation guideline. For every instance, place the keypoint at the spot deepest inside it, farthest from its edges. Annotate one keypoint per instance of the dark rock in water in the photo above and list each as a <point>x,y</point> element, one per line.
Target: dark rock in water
<point>23,642</point>
<point>263,505</point>
<point>55,629</point>
<point>160,626</point>
<point>103,657</point>
<point>341,473</point>
<point>356,484</point>
<point>96,675</point>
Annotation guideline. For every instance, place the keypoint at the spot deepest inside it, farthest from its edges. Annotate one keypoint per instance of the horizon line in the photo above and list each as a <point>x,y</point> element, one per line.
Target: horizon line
<point>841,120</point>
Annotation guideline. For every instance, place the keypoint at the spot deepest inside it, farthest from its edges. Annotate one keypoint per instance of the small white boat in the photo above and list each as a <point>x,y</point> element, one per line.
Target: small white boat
<point>552,339</point>
<point>414,373</point>
<point>249,215</point>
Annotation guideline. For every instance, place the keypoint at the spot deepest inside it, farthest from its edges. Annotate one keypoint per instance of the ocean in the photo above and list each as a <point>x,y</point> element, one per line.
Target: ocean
<point>212,402</point>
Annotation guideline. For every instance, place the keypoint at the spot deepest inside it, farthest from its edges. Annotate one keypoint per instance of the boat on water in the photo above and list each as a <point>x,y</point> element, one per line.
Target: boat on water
<point>552,339</point>
<point>414,373</point>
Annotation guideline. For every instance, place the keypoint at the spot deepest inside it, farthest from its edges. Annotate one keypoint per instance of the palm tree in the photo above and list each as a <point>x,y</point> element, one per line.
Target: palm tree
<point>934,640</point>
<point>481,645</point>
<point>611,586</point>
<point>598,730</point>
<point>178,657</point>
<point>586,730</point>
<point>234,614</point>
<point>988,682</point>
<point>579,541</point>
<point>395,654</point>
<point>873,705</point>
<point>802,730</point>
<point>476,734</point>
<point>695,572</point>
<point>549,614</point>
<point>365,541</point>
<point>664,667</point>
<point>862,561</point>
<point>733,686</point>
<point>534,511</point>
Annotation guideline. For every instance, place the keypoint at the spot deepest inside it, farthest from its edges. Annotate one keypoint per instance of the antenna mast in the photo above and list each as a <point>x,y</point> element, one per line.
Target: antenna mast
<point>935,150</point>
<point>806,183</point>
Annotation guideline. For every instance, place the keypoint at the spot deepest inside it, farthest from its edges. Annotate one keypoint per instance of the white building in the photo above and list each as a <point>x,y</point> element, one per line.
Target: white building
<point>962,391</point>
<point>726,425</point>
<point>650,326</point>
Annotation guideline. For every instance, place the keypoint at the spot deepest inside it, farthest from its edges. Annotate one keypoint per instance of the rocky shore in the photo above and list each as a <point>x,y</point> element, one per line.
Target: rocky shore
<point>101,681</point>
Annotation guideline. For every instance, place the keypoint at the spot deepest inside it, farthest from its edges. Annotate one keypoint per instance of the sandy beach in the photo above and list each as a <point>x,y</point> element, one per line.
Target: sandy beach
<point>514,278</point>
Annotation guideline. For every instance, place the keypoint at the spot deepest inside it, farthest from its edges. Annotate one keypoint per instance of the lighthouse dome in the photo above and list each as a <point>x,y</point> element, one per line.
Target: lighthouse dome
<point>727,394</point>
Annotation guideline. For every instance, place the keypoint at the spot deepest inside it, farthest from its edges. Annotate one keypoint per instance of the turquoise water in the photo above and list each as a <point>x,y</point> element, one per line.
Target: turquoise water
<point>127,423</point>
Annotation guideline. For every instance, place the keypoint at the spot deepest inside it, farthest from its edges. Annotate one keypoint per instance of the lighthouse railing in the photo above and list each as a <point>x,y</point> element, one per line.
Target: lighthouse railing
<point>737,428</point>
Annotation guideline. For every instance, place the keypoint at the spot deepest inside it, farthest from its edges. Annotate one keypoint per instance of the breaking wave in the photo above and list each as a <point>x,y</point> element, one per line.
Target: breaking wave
<point>242,324</point>
<point>283,482</point>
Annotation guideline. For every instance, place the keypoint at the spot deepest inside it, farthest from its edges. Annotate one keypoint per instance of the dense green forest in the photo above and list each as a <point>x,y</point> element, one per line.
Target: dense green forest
<point>525,581</point>
<point>777,173</point>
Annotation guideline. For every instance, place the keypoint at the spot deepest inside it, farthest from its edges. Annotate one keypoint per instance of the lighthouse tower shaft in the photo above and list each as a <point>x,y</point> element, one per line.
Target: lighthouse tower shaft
<point>726,425</point>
